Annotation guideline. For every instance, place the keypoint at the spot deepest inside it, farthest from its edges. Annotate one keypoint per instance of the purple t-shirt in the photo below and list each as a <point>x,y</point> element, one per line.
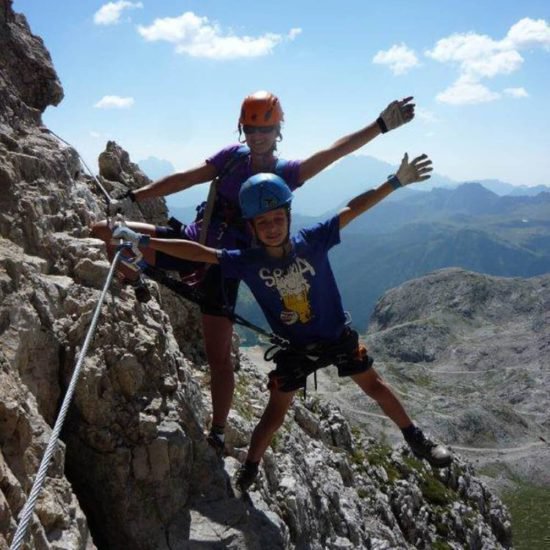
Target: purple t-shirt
<point>298,294</point>
<point>220,236</point>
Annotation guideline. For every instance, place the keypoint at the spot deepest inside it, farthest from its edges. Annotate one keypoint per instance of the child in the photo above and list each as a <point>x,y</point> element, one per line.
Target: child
<point>292,280</point>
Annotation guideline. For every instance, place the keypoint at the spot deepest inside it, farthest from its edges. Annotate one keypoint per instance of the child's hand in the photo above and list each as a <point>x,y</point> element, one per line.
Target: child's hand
<point>131,236</point>
<point>417,170</point>
<point>396,114</point>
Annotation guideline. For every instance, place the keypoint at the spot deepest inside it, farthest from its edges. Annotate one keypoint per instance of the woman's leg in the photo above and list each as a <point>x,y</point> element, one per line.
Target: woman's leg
<point>272,419</point>
<point>376,388</point>
<point>218,332</point>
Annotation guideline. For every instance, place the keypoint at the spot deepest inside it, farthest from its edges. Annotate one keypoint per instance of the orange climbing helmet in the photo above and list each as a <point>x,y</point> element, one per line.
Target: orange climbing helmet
<point>261,109</point>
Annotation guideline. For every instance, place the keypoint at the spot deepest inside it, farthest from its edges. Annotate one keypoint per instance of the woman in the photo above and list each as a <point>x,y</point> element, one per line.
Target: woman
<point>260,122</point>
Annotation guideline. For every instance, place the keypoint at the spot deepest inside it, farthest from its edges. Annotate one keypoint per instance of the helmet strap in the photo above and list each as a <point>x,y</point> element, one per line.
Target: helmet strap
<point>242,137</point>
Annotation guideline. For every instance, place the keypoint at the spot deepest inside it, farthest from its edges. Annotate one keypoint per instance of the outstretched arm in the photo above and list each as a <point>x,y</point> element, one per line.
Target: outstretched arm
<point>393,116</point>
<point>176,182</point>
<point>187,250</point>
<point>165,186</point>
<point>409,172</point>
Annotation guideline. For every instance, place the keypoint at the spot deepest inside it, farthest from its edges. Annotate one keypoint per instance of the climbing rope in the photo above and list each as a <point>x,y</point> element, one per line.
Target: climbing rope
<point>196,296</point>
<point>27,511</point>
<point>103,190</point>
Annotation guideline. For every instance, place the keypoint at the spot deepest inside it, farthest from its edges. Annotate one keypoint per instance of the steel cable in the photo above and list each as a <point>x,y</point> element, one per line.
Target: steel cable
<point>26,514</point>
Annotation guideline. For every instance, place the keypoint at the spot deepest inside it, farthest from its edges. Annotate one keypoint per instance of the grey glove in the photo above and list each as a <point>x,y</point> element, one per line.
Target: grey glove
<point>411,172</point>
<point>396,114</point>
<point>129,235</point>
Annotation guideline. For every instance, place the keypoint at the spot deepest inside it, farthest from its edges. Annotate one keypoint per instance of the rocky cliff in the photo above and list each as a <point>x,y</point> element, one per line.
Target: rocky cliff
<point>132,469</point>
<point>477,348</point>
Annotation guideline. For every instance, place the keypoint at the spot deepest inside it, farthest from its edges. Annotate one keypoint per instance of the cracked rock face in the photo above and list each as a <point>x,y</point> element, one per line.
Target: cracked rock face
<point>28,81</point>
<point>132,469</point>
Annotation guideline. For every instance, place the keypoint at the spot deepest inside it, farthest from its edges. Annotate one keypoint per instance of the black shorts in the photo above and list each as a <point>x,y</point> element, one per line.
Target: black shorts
<point>220,293</point>
<point>294,366</point>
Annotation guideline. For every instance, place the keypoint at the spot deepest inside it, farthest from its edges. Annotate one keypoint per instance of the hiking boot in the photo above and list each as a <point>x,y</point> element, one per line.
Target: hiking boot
<point>424,448</point>
<point>246,476</point>
<point>214,440</point>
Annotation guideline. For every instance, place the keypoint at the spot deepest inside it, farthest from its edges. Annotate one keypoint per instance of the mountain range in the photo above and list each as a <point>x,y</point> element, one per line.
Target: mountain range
<point>352,175</point>
<point>468,227</point>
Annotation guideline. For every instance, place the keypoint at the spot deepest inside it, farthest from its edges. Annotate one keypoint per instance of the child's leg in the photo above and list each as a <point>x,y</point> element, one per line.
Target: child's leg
<point>376,388</point>
<point>271,421</point>
<point>422,447</point>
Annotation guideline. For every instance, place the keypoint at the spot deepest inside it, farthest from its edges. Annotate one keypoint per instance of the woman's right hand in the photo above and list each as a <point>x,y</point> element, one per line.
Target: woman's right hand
<point>396,114</point>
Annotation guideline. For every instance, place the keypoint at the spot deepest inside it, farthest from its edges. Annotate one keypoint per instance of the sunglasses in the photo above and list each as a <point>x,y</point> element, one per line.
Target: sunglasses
<point>258,129</point>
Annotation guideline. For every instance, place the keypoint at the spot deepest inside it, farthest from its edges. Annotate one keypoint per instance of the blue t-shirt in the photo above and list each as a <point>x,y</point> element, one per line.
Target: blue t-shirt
<point>219,234</point>
<point>298,293</point>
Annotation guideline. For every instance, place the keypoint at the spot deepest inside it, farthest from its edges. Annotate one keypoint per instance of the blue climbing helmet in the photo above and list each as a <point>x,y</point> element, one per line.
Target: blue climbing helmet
<point>261,193</point>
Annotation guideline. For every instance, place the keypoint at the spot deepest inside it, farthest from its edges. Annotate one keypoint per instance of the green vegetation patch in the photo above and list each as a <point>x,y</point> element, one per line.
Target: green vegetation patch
<point>242,401</point>
<point>412,463</point>
<point>276,442</point>
<point>529,507</point>
<point>442,529</point>
<point>441,545</point>
<point>358,456</point>
<point>435,492</point>
<point>379,455</point>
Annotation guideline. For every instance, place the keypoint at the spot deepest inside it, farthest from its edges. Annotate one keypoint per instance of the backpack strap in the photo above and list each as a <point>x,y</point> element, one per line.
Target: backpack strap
<point>228,168</point>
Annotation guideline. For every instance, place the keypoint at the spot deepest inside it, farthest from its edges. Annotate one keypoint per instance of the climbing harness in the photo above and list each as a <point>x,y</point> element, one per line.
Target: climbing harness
<point>317,355</point>
<point>27,512</point>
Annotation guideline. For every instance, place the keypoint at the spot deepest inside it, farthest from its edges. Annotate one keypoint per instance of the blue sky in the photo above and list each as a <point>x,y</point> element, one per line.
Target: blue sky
<point>166,78</point>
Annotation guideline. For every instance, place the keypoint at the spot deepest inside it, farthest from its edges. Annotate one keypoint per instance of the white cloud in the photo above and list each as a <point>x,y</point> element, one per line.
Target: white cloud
<point>198,37</point>
<point>466,92</point>
<point>477,55</point>
<point>480,56</point>
<point>109,14</point>
<point>399,58</point>
<point>516,92</point>
<point>94,134</point>
<point>529,33</point>
<point>114,102</point>
<point>462,47</point>
<point>496,63</point>
<point>293,33</point>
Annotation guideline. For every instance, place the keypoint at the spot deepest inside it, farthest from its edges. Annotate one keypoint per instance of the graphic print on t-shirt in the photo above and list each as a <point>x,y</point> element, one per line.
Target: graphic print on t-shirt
<point>293,289</point>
